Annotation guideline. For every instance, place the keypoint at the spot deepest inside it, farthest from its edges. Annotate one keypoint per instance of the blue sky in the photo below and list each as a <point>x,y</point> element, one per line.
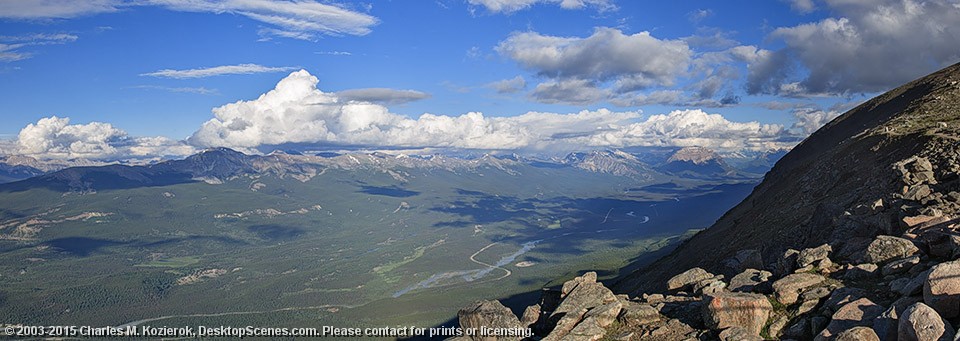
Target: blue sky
<point>141,78</point>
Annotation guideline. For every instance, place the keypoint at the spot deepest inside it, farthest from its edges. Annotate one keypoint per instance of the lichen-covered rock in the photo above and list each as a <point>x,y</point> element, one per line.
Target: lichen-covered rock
<point>788,288</point>
<point>748,311</point>
<point>886,248</point>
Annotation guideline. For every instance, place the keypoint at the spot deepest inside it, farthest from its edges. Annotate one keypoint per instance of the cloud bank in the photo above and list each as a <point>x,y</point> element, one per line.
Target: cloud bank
<point>296,111</point>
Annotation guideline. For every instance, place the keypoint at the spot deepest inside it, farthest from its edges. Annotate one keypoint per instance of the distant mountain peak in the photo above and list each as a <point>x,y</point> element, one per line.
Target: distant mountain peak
<point>696,155</point>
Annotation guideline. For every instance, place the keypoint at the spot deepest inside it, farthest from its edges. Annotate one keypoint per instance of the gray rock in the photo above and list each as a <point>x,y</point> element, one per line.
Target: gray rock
<point>594,322</point>
<point>489,314</point>
<point>634,313</point>
<point>751,280</point>
<point>811,298</point>
<point>915,287</point>
<point>841,297</point>
<point>530,315</point>
<point>858,334</point>
<point>788,288</point>
<point>811,255</point>
<point>748,311</point>
<point>941,290</point>
<point>921,323</point>
<point>738,334</point>
<point>898,284</point>
<point>799,330</point>
<point>900,266</point>
<point>917,192</point>
<point>777,323</point>
<point>710,286</point>
<point>861,271</point>
<point>688,278</point>
<point>590,277</point>
<point>858,313</point>
<point>886,248</point>
<point>582,294</point>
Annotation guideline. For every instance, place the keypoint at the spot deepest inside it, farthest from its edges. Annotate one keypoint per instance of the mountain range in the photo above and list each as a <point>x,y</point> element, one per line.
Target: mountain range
<point>218,164</point>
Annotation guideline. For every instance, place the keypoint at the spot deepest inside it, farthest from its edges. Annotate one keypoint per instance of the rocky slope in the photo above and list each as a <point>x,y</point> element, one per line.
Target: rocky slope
<point>853,235</point>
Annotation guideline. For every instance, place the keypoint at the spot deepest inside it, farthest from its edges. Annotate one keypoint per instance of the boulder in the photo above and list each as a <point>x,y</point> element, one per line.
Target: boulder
<point>858,313</point>
<point>567,321</point>
<point>858,334</point>
<point>809,299</point>
<point>941,290</point>
<point>594,322</point>
<point>751,280</point>
<point>777,323</point>
<point>489,314</point>
<point>688,278</point>
<point>886,248</point>
<point>581,295</point>
<point>917,192</point>
<point>840,297</point>
<point>898,284</point>
<point>813,255</point>
<point>585,295</point>
<point>900,266</point>
<point>921,323</point>
<point>748,311</point>
<point>861,271</point>
<point>788,288</point>
<point>738,334</point>
<point>568,286</point>
<point>634,313</point>
<point>915,286</point>
<point>710,286</point>
<point>530,315</point>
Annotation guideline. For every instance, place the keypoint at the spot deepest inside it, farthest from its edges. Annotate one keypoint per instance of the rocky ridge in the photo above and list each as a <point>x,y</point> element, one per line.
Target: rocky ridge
<point>854,235</point>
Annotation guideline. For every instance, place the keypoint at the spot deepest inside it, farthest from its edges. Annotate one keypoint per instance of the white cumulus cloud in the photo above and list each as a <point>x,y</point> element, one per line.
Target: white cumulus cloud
<point>55,138</point>
<point>606,54</point>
